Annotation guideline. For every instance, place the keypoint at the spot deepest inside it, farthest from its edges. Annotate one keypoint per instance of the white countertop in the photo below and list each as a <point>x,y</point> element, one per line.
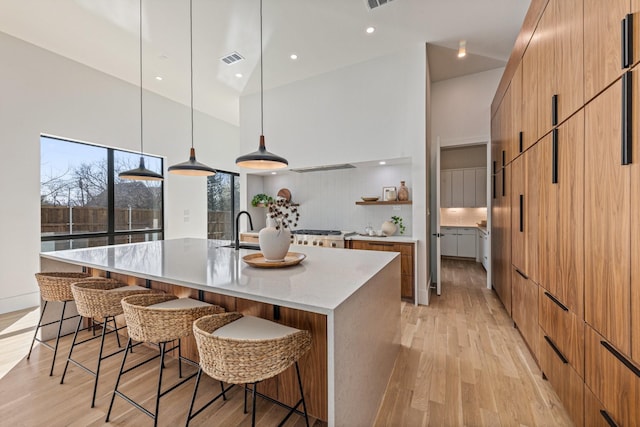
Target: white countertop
<point>394,239</point>
<point>320,283</point>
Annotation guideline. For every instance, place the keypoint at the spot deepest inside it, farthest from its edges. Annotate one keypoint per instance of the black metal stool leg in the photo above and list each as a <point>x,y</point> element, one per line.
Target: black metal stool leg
<point>253,411</point>
<point>95,383</point>
<point>115,328</point>
<point>179,358</point>
<point>55,349</point>
<point>73,344</point>
<point>163,347</point>
<point>193,399</point>
<point>35,334</point>
<point>304,403</point>
<point>115,388</point>
<point>224,396</point>
<point>245,399</point>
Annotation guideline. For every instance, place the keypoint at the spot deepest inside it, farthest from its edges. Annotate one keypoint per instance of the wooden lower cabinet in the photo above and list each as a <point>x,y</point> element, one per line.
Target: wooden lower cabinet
<point>249,237</point>
<point>406,263</point>
<point>614,380</point>
<point>563,327</point>
<point>524,306</point>
<point>595,414</point>
<point>565,381</point>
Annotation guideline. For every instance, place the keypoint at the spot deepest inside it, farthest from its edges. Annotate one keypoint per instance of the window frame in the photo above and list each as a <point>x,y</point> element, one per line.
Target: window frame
<point>235,177</point>
<point>111,232</point>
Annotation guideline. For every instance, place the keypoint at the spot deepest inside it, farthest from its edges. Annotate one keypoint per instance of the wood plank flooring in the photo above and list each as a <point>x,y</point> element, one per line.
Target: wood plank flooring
<point>461,363</point>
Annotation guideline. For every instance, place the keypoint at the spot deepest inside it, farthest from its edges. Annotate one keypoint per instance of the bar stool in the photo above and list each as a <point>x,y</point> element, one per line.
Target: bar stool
<point>245,350</point>
<point>54,287</point>
<point>99,299</point>
<point>159,319</point>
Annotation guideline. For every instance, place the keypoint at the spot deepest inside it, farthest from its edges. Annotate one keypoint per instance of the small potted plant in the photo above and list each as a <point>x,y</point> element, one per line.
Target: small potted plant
<point>389,228</point>
<point>261,200</point>
<point>397,220</point>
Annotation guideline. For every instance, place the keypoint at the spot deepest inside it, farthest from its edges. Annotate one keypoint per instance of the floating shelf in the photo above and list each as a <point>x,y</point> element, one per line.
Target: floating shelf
<point>264,205</point>
<point>393,202</point>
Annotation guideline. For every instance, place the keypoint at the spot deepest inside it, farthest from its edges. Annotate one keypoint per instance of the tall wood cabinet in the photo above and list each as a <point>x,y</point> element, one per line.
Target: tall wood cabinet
<point>569,121</point>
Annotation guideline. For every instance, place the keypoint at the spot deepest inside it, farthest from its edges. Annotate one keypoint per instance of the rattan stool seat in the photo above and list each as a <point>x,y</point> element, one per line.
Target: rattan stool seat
<point>241,349</point>
<point>159,319</point>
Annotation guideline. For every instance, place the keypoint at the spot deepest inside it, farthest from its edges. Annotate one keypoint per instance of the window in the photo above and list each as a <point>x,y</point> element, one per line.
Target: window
<point>223,203</point>
<point>83,203</point>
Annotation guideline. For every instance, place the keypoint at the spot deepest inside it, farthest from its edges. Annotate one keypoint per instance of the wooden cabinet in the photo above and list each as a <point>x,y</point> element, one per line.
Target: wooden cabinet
<point>546,72</point>
<point>565,381</point>
<point>529,118</point>
<point>595,414</point>
<point>518,217</point>
<point>501,231</point>
<point>524,309</point>
<point>406,263</point>
<point>607,221</point>
<point>515,115</point>
<point>569,56</point>
<point>613,379</point>
<point>635,223</point>
<point>602,43</point>
<point>249,237</point>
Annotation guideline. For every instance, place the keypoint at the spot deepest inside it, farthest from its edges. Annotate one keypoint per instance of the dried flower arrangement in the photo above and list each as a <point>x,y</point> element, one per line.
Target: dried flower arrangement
<point>285,215</point>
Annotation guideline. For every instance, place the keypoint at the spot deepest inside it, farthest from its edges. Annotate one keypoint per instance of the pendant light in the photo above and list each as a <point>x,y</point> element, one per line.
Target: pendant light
<point>191,167</point>
<point>261,159</point>
<point>141,173</point>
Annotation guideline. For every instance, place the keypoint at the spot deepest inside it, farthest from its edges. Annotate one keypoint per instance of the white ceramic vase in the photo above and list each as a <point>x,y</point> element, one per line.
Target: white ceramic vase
<point>274,243</point>
<point>388,228</point>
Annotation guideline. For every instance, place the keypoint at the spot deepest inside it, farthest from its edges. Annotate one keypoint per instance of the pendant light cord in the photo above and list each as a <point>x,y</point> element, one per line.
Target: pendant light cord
<point>191,54</point>
<point>141,140</point>
<point>261,78</point>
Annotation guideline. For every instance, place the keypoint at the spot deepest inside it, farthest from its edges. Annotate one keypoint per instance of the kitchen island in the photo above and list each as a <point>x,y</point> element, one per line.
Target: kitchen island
<point>347,299</point>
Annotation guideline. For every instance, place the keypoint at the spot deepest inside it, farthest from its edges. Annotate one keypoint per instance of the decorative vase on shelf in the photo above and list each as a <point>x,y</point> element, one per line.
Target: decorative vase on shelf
<point>274,242</point>
<point>403,192</point>
<point>388,228</point>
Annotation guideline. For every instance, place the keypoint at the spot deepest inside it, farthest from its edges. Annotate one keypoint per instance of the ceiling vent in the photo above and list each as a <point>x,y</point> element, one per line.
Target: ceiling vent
<point>372,4</point>
<point>232,58</point>
<point>324,168</point>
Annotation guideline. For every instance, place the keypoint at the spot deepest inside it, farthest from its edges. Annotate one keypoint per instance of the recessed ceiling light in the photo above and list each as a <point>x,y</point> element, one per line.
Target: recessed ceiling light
<point>238,75</point>
<point>293,56</point>
<point>382,163</point>
<point>370,30</point>
<point>158,78</point>
<point>274,173</point>
<point>462,49</point>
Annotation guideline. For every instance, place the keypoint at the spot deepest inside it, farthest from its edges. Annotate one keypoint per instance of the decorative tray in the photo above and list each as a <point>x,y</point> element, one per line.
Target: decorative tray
<point>258,260</point>
<point>369,199</point>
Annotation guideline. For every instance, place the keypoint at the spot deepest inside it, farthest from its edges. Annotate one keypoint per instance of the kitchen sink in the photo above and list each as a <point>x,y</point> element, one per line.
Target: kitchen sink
<point>254,246</point>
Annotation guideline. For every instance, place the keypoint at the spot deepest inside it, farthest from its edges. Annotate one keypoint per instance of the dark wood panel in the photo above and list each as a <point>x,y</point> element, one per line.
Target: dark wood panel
<point>525,310</point>
<point>569,55</point>
<point>593,408</point>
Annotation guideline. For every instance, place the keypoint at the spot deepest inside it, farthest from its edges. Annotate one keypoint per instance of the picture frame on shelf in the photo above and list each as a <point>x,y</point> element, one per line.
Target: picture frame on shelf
<point>389,194</point>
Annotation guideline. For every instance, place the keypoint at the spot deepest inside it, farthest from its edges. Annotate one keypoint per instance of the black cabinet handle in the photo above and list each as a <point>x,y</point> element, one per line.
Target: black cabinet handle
<point>554,109</point>
<point>608,418</point>
<point>627,96</point>
<point>380,244</point>
<point>494,167</point>
<point>621,358</point>
<point>554,156</point>
<point>522,274</point>
<point>276,312</point>
<point>520,143</point>
<point>493,184</point>
<point>504,192</point>
<point>555,300</point>
<point>503,158</point>
<point>558,352</point>
<point>626,39</point>
<point>522,213</point>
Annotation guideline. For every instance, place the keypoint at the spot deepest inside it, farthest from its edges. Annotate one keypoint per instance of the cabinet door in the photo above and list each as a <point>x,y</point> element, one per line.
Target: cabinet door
<point>606,221</point>
<point>518,218</point>
<point>457,188</point>
<point>445,189</point>
<point>525,309</point>
<point>516,113</point>
<point>530,92</point>
<point>469,188</point>
<point>449,242</point>
<point>467,245</point>
<point>635,224</point>
<point>569,57</point>
<point>546,67</point>
<point>481,188</point>
<point>602,43</point>
<point>547,213</point>
<point>533,193</point>
<point>507,128</point>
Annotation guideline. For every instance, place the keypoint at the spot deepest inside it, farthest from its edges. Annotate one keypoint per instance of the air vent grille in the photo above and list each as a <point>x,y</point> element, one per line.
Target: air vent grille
<point>372,4</point>
<point>324,168</point>
<point>232,58</point>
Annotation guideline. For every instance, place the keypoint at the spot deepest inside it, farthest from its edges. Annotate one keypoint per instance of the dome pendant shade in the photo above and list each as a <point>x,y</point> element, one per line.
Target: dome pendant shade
<point>141,173</point>
<point>192,167</point>
<point>262,159</point>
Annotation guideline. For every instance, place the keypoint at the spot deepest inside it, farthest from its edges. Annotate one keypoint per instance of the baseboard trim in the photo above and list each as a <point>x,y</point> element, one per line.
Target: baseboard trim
<point>19,302</point>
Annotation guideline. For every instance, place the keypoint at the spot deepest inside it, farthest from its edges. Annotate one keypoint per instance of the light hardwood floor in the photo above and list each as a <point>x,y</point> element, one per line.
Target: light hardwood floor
<point>461,363</point>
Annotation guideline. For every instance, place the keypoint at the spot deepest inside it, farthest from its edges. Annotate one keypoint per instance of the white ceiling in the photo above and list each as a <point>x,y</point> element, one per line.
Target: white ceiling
<point>326,35</point>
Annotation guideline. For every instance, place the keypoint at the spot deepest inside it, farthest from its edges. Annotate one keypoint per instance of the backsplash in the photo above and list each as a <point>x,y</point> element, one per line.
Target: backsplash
<point>327,199</point>
<point>462,216</point>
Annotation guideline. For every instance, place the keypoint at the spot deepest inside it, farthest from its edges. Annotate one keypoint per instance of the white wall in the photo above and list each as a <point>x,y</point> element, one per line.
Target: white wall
<point>369,111</point>
<point>461,115</point>
<point>46,93</point>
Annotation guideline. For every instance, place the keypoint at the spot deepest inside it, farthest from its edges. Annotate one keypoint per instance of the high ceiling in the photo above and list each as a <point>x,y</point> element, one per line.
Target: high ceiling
<point>325,34</point>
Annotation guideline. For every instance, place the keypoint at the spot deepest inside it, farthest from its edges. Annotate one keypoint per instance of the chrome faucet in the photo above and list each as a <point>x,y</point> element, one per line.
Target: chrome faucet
<point>238,226</point>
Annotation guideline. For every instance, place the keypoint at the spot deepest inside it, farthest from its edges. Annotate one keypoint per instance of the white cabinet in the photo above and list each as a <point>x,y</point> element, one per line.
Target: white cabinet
<point>483,248</point>
<point>458,241</point>
<point>463,188</point>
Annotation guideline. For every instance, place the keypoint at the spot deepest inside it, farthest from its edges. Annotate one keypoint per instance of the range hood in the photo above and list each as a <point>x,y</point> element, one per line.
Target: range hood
<point>324,168</point>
